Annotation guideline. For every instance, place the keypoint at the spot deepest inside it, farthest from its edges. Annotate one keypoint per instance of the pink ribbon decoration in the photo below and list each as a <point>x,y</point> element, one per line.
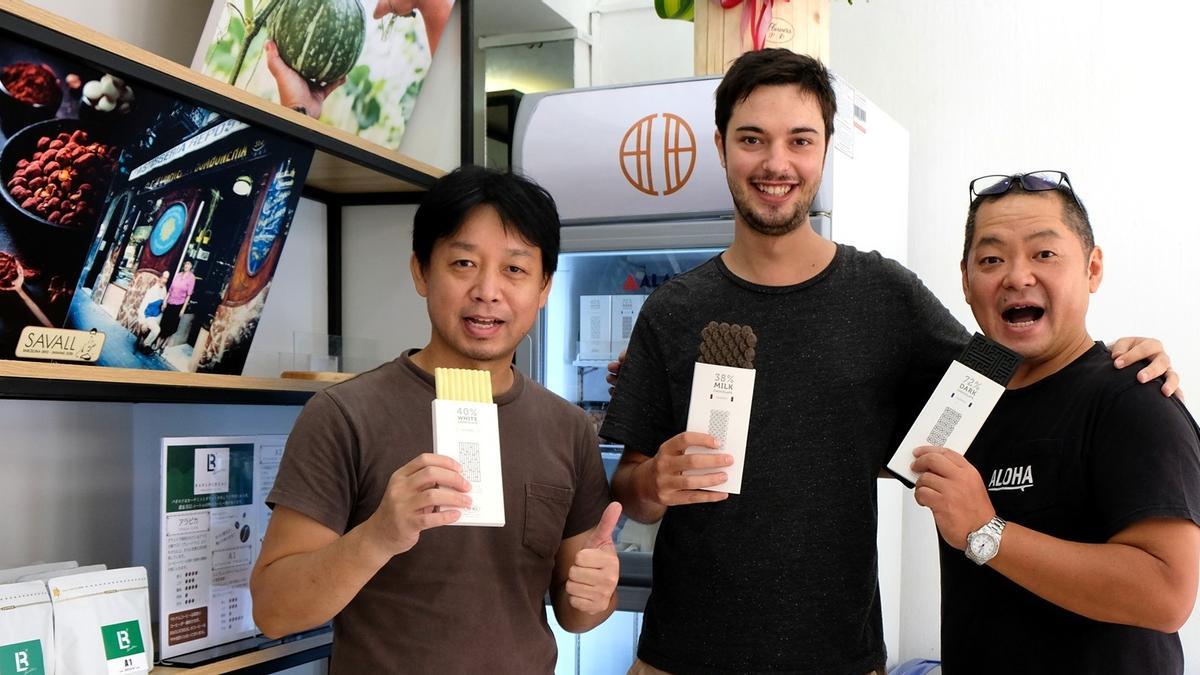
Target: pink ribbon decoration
<point>759,23</point>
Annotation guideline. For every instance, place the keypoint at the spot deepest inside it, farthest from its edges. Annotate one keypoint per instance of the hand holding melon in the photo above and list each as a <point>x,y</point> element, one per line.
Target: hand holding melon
<point>319,39</point>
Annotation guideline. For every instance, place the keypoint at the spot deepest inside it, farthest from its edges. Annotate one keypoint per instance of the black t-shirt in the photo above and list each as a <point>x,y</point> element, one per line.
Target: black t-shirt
<point>783,577</point>
<point>1080,455</point>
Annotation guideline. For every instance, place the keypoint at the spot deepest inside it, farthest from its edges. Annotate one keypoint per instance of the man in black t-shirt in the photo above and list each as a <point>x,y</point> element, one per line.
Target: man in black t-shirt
<point>1077,504</point>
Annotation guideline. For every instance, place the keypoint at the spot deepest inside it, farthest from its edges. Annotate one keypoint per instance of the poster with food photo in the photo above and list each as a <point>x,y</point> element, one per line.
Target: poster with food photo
<point>59,154</point>
<point>126,211</point>
<point>357,65</point>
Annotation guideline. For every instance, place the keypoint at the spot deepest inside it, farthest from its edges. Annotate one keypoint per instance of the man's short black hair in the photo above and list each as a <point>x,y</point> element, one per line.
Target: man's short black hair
<point>524,206</point>
<point>767,67</point>
<point>1075,215</point>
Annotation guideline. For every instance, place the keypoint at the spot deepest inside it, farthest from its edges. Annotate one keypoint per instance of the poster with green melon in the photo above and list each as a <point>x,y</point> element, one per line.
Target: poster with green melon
<point>357,65</point>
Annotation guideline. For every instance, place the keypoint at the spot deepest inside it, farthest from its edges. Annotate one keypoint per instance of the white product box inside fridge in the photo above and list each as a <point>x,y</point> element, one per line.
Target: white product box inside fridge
<point>720,407</point>
<point>625,310</point>
<point>595,327</point>
<point>469,432</point>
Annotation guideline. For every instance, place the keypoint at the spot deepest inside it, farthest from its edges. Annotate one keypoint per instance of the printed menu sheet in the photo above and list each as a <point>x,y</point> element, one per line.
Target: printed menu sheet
<point>213,517</point>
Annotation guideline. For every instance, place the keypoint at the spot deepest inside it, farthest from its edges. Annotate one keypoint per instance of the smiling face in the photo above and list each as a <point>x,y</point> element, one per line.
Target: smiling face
<point>483,287</point>
<point>1028,281</point>
<point>773,154</point>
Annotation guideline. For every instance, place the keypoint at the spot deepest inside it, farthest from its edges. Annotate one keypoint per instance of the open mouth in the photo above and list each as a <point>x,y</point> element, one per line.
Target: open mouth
<point>483,323</point>
<point>1022,315</point>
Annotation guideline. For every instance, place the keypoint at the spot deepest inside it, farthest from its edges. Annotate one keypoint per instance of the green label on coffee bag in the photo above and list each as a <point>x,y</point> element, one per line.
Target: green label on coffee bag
<point>22,658</point>
<point>123,647</point>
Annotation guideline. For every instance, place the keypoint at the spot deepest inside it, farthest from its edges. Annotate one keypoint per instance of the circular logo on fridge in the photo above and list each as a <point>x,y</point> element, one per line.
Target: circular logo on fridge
<point>658,154</point>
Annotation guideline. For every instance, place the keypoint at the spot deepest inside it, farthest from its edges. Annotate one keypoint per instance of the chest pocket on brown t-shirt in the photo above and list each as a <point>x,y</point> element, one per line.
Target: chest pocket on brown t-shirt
<point>546,508</point>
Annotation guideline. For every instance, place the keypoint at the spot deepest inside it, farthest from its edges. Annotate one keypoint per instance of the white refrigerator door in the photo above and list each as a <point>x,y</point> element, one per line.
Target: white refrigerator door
<point>863,200</point>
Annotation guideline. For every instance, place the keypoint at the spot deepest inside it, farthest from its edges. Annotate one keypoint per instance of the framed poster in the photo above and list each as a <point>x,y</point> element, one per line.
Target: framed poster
<point>358,65</point>
<point>126,213</point>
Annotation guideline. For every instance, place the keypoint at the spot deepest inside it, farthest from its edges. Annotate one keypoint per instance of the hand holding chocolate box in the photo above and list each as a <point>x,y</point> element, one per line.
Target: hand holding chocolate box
<point>722,392</point>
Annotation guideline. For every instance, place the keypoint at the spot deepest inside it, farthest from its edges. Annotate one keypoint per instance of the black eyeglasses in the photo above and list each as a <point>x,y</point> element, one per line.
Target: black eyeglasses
<point>1034,181</point>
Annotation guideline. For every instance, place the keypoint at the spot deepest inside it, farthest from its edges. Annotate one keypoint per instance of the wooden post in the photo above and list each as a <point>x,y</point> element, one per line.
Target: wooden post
<point>799,25</point>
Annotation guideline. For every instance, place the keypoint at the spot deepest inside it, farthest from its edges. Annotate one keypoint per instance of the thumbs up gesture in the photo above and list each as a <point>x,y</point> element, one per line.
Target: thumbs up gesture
<point>593,576</point>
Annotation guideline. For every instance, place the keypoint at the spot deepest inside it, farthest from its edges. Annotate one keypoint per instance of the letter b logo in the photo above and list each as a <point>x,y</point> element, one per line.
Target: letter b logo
<point>212,463</point>
<point>22,658</point>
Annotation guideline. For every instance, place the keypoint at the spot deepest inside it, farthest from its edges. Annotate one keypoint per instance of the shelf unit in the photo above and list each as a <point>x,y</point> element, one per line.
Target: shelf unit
<point>70,382</point>
<point>269,660</point>
<point>345,170</point>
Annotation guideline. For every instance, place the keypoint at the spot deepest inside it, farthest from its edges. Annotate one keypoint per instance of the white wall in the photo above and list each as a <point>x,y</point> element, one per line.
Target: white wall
<point>378,297</point>
<point>65,484</point>
<point>631,44</point>
<point>298,299</point>
<point>168,28</point>
<point>1096,88</point>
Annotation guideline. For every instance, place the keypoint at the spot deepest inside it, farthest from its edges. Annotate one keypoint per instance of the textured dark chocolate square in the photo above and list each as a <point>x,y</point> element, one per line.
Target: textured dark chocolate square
<point>990,359</point>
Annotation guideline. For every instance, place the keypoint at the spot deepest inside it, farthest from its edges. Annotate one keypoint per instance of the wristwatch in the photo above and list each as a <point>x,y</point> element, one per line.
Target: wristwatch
<point>983,544</point>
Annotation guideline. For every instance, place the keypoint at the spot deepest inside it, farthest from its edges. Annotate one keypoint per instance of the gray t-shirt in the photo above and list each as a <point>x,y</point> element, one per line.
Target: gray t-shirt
<point>783,577</point>
<point>464,599</point>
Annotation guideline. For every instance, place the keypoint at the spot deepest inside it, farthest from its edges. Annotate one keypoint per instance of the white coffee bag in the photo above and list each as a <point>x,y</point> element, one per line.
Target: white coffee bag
<point>14,574</point>
<point>26,629</point>
<point>46,576</point>
<point>102,623</point>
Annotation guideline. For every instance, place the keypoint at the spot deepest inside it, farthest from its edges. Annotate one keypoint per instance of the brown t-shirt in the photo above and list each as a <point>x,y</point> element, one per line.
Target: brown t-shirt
<point>464,599</point>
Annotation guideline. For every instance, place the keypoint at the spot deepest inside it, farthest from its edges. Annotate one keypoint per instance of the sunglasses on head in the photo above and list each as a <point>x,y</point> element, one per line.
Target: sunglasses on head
<point>1034,181</point>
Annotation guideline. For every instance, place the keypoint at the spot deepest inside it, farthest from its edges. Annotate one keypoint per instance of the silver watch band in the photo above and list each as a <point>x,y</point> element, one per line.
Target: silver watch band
<point>995,526</point>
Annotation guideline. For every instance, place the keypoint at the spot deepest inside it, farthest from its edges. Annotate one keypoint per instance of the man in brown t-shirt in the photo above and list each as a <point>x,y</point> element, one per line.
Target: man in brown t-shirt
<point>357,534</point>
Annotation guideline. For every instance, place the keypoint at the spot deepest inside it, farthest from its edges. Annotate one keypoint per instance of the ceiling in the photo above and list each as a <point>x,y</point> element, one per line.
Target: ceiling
<point>506,17</point>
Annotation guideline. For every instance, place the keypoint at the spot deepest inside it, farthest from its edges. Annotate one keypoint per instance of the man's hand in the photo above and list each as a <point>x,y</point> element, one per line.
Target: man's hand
<point>434,12</point>
<point>593,576</point>
<point>614,371</point>
<point>1130,350</point>
<point>295,92</point>
<point>953,491</point>
<point>665,480</point>
<point>411,501</point>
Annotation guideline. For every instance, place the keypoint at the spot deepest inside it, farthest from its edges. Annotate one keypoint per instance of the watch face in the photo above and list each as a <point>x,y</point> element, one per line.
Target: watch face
<point>983,546</point>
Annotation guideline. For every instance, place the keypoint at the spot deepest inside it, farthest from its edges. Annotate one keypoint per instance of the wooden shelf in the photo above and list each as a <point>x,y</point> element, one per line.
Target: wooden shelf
<point>71,382</point>
<point>343,162</point>
<point>269,660</point>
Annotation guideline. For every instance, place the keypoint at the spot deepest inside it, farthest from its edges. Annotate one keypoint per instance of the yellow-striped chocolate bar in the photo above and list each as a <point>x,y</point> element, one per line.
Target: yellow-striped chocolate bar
<point>463,384</point>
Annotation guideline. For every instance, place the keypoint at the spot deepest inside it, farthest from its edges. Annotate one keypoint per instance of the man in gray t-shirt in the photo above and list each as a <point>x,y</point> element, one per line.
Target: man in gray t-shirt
<point>783,577</point>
